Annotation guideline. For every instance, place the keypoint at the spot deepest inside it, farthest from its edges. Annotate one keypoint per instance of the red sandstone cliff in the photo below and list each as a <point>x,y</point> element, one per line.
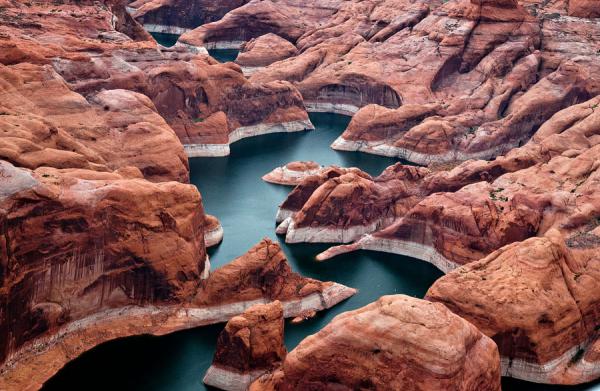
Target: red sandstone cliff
<point>250,345</point>
<point>538,300</point>
<point>465,76</point>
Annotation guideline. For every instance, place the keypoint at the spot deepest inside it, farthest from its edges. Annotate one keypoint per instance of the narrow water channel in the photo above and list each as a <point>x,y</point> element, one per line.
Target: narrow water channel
<point>233,191</point>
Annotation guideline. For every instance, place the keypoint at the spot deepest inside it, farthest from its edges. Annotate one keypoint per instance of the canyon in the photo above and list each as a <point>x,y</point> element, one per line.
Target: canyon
<point>471,143</point>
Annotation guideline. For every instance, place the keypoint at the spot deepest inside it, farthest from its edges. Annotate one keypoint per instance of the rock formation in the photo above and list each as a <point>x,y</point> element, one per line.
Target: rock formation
<point>209,105</point>
<point>94,297</point>
<point>262,51</point>
<point>538,300</point>
<point>250,345</point>
<point>396,343</point>
<point>213,231</point>
<point>292,173</point>
<point>451,217</point>
<point>101,236</point>
<point>432,81</point>
<point>179,16</point>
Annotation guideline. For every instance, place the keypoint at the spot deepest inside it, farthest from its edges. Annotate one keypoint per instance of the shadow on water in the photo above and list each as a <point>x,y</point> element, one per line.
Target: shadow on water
<point>167,40</point>
<point>233,191</point>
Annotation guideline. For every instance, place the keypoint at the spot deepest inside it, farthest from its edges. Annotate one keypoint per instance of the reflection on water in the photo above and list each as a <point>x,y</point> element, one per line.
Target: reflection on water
<point>233,191</point>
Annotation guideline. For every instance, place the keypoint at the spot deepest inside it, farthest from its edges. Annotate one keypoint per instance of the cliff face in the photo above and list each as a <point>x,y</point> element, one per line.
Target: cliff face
<point>61,304</point>
<point>87,44</point>
<point>250,345</point>
<point>76,243</point>
<point>538,300</point>
<point>396,343</point>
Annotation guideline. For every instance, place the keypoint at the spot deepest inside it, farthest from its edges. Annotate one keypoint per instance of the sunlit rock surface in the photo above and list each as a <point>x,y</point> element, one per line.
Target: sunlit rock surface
<point>395,343</point>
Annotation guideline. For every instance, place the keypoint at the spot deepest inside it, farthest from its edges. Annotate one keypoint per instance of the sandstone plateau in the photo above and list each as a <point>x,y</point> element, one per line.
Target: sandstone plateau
<point>250,345</point>
<point>395,343</point>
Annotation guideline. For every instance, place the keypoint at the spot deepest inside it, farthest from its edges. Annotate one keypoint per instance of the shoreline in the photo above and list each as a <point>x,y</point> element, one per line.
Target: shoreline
<point>221,150</point>
<point>382,149</point>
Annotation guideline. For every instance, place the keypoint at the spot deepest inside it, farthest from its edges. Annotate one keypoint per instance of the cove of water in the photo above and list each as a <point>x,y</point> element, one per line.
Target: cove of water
<point>233,191</point>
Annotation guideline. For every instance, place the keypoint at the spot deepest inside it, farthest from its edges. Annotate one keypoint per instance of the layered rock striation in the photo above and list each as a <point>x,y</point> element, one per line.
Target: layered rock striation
<point>250,345</point>
<point>87,300</point>
<point>395,343</point>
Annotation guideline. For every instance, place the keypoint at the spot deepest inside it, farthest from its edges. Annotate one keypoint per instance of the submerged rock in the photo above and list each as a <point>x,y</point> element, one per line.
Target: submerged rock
<point>250,345</point>
<point>395,343</point>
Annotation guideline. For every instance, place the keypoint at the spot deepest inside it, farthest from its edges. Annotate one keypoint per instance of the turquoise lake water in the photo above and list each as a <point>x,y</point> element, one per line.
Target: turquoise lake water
<point>233,191</point>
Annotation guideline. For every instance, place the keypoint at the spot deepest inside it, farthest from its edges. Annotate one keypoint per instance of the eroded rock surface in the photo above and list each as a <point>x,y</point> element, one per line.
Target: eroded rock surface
<point>538,300</point>
<point>209,105</point>
<point>395,343</point>
<point>86,300</point>
<point>454,216</point>
<point>250,345</point>
<point>432,81</point>
<point>264,50</point>
<point>179,16</point>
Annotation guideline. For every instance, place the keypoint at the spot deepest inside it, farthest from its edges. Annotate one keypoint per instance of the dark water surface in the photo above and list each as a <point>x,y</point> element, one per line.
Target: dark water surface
<point>221,55</point>
<point>233,191</point>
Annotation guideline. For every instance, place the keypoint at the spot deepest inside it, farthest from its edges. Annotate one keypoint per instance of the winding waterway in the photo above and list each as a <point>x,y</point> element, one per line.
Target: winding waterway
<point>233,191</point>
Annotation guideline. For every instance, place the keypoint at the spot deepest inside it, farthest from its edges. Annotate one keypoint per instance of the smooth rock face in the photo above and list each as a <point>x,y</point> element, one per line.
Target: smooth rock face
<point>538,300</point>
<point>250,345</point>
<point>204,102</point>
<point>396,343</point>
